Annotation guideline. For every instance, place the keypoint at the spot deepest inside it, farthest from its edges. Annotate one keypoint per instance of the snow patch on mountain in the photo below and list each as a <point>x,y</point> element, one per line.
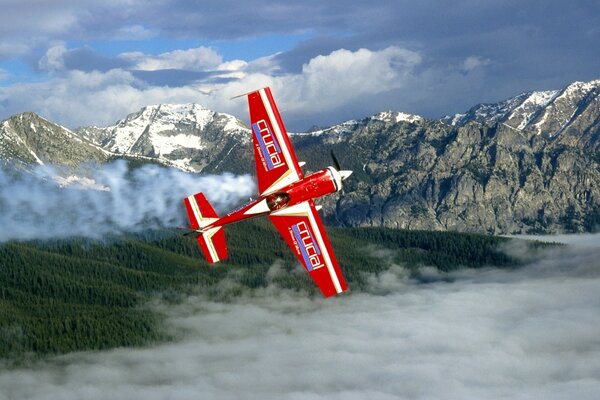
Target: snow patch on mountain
<point>350,126</point>
<point>37,159</point>
<point>396,116</point>
<point>172,133</point>
<point>338,129</point>
<point>168,144</point>
<point>530,107</point>
<point>549,112</point>
<point>167,127</point>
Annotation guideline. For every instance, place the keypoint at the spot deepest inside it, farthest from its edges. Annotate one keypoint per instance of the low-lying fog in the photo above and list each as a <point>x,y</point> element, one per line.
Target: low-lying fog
<point>108,199</point>
<point>530,333</point>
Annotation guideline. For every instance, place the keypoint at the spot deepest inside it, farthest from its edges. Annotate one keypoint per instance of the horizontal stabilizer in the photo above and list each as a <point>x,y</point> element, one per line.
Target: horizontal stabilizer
<point>199,210</point>
<point>212,243</point>
<point>211,239</point>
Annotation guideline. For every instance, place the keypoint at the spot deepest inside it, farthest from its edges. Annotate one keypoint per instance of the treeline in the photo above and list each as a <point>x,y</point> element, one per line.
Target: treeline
<point>79,294</point>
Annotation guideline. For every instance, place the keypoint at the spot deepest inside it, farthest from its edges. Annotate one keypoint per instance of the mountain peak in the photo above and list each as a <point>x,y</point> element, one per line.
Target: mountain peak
<point>396,116</point>
<point>169,132</point>
<point>531,165</point>
<point>28,138</point>
<point>547,112</point>
<point>165,116</point>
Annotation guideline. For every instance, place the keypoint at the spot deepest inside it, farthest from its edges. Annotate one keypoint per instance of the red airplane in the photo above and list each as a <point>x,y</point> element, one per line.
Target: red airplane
<point>286,196</point>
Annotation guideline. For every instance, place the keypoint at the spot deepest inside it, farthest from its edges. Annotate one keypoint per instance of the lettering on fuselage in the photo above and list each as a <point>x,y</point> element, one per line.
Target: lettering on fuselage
<point>269,147</point>
<point>308,246</point>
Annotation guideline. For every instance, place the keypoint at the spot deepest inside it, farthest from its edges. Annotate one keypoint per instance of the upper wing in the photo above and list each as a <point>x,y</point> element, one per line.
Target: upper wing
<point>276,163</point>
<point>301,227</point>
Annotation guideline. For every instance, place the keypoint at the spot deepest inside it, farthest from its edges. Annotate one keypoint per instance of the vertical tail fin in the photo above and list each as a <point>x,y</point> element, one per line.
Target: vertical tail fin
<point>202,215</point>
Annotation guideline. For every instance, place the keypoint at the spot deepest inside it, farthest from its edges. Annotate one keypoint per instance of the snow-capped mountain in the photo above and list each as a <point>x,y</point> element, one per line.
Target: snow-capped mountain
<point>545,112</point>
<point>396,116</point>
<point>339,130</point>
<point>176,134</point>
<point>527,164</point>
<point>192,137</point>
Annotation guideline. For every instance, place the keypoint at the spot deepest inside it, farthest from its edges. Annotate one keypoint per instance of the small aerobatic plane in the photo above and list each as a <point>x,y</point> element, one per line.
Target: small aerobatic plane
<point>286,196</point>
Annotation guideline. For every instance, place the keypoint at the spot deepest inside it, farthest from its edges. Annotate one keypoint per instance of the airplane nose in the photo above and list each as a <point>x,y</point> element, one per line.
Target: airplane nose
<point>345,174</point>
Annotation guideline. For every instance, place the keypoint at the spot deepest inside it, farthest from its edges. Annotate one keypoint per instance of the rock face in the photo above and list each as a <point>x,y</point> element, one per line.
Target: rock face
<point>495,179</point>
<point>573,109</point>
<point>527,164</point>
<point>188,136</point>
<point>28,139</point>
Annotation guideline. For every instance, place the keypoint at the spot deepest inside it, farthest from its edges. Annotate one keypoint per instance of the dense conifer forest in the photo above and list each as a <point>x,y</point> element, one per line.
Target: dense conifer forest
<point>81,294</point>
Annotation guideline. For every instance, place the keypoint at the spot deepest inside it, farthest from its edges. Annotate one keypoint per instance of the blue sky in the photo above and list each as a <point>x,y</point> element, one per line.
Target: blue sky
<point>83,62</point>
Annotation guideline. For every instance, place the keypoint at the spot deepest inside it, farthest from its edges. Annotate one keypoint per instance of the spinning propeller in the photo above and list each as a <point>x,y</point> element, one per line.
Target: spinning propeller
<point>343,172</point>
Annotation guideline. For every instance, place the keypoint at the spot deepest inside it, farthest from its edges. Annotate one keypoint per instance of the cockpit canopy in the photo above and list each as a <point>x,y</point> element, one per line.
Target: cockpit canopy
<point>278,200</point>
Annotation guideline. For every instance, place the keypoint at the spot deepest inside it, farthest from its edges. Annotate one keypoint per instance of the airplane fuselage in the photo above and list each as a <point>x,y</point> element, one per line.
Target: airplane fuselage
<point>318,184</point>
<point>286,197</point>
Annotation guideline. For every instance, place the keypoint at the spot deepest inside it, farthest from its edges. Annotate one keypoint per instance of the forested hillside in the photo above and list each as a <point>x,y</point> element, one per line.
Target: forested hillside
<point>79,294</point>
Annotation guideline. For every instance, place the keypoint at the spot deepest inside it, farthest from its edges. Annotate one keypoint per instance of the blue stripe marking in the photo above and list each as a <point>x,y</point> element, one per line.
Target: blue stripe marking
<point>312,239</point>
<point>262,145</point>
<point>303,248</point>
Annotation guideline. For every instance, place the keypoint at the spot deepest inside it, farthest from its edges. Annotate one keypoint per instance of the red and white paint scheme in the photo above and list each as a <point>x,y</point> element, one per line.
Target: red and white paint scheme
<point>286,196</point>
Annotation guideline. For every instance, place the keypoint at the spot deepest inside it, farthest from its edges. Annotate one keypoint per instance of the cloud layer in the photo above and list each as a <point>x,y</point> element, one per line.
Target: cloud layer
<point>112,199</point>
<point>325,85</point>
<point>318,55</point>
<point>522,334</point>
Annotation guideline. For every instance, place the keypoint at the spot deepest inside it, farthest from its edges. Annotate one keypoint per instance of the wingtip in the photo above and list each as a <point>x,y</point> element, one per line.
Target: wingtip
<point>247,93</point>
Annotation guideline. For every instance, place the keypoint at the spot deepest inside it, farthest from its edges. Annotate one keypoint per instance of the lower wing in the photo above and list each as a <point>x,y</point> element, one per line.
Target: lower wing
<point>302,228</point>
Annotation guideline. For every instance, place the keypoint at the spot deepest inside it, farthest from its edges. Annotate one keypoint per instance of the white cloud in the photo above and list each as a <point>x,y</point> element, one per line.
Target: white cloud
<point>345,74</point>
<point>233,65</point>
<point>53,60</point>
<point>85,98</point>
<point>134,32</point>
<point>488,334</point>
<point>472,62</point>
<point>99,98</point>
<point>579,240</point>
<point>196,59</point>
<point>325,82</point>
<point>127,201</point>
<point>9,50</point>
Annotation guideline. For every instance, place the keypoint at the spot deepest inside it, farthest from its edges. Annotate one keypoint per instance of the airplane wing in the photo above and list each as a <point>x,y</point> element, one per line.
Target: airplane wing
<point>302,228</point>
<point>276,163</point>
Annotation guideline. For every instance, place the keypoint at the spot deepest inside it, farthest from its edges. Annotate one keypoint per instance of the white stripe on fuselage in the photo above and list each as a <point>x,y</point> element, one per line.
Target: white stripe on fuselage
<point>258,208</point>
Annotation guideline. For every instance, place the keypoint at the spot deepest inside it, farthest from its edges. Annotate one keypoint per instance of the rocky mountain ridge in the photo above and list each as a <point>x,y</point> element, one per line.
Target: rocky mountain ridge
<point>28,139</point>
<point>544,112</point>
<point>176,134</point>
<point>527,164</point>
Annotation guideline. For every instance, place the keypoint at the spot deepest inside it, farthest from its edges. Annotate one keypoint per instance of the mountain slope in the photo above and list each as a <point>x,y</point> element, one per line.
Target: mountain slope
<point>549,113</point>
<point>28,139</point>
<point>429,175</point>
<point>69,295</point>
<point>184,135</point>
<point>527,164</point>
